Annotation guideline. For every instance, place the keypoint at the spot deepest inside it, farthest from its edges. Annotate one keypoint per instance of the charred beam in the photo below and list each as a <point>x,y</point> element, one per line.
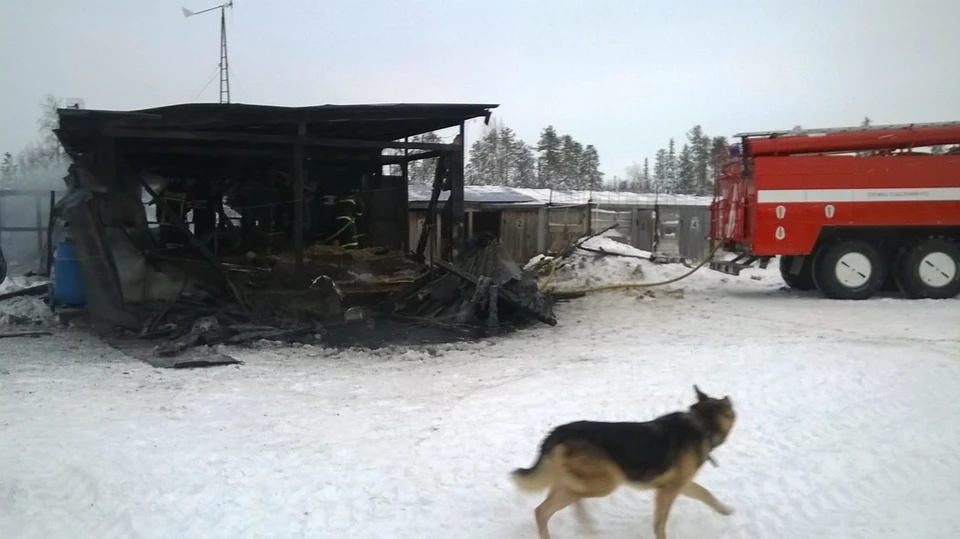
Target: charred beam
<point>455,204</point>
<point>163,134</point>
<point>401,159</point>
<point>431,218</point>
<point>256,153</point>
<point>298,173</point>
<point>507,295</point>
<point>195,150</point>
<point>201,248</point>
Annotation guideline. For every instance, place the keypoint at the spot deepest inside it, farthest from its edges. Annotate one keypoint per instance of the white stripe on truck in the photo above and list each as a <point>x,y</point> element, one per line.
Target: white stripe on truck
<point>908,194</point>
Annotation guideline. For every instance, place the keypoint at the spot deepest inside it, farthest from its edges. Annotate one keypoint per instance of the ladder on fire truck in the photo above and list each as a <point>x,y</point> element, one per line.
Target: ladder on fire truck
<point>829,130</point>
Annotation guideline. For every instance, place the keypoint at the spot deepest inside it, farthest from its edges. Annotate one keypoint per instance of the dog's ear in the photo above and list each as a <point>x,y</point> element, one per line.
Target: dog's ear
<point>701,396</point>
<point>727,401</point>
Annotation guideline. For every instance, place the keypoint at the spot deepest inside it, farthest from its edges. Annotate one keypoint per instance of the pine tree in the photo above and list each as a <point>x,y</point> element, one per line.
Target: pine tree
<point>718,156</point>
<point>700,147</point>
<point>686,173</point>
<point>500,158</point>
<point>7,168</point>
<point>571,152</point>
<point>522,163</point>
<point>661,170</point>
<point>647,180</point>
<point>481,169</point>
<point>591,177</point>
<point>671,183</point>
<point>548,158</point>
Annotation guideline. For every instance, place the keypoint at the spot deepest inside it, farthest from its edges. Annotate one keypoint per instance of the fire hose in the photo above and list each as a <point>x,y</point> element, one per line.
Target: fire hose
<point>626,286</point>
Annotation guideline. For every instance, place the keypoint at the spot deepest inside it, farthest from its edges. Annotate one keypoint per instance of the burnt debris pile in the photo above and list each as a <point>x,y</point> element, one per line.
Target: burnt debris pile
<point>483,288</point>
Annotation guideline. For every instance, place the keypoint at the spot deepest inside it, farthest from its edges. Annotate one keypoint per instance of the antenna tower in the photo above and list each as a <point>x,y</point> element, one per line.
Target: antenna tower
<point>224,61</point>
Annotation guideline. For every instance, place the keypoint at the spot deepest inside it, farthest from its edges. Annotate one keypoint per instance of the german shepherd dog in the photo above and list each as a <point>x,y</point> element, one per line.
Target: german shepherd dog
<point>591,459</point>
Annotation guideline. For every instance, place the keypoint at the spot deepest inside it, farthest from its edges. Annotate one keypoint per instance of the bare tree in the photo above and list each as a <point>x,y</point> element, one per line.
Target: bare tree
<point>47,123</point>
<point>637,179</point>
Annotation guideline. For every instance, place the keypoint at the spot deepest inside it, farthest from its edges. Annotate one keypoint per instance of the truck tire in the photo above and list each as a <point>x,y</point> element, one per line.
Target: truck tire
<point>800,281</point>
<point>929,269</point>
<point>849,269</point>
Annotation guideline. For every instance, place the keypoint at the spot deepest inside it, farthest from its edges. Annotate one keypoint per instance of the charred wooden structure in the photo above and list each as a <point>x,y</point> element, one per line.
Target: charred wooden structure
<point>232,183</point>
<point>482,287</point>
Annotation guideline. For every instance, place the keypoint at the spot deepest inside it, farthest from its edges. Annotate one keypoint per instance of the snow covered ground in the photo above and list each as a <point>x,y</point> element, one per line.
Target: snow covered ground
<point>602,261</point>
<point>848,425</point>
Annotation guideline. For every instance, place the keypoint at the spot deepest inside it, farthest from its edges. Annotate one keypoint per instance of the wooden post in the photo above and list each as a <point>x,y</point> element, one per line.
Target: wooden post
<point>430,220</point>
<point>456,201</point>
<point>38,214</point>
<point>299,278</point>
<point>543,229</point>
<point>2,198</point>
<point>50,222</point>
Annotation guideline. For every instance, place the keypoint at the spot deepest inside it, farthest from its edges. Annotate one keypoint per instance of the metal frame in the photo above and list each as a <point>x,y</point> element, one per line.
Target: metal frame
<point>827,130</point>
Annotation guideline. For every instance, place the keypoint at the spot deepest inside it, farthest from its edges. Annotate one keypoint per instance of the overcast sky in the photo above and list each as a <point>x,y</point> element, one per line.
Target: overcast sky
<point>624,75</point>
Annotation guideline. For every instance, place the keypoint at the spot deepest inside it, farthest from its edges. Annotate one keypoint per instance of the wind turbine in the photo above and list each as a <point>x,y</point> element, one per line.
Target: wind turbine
<point>224,64</point>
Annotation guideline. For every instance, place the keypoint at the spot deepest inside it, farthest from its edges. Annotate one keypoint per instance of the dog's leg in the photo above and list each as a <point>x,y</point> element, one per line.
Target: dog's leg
<point>557,499</point>
<point>664,501</point>
<point>582,514</point>
<point>698,492</point>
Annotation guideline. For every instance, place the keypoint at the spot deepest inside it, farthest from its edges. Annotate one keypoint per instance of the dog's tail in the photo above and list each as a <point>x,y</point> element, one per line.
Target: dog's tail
<point>537,477</point>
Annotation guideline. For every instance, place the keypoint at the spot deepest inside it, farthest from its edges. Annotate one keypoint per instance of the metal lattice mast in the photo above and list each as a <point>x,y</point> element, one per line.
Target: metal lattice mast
<point>224,63</point>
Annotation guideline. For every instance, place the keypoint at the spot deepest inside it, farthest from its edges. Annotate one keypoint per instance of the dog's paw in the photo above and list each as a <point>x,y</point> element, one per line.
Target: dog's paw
<point>725,510</point>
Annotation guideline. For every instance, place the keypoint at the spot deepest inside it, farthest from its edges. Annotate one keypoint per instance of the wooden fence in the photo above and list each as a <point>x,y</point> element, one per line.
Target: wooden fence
<point>681,230</point>
<point>527,231</point>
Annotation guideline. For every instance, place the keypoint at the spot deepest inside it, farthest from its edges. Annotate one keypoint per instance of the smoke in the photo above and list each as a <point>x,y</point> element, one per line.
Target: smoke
<point>25,203</point>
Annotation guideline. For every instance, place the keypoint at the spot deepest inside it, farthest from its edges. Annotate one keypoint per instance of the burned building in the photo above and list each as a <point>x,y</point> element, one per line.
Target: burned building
<point>239,190</point>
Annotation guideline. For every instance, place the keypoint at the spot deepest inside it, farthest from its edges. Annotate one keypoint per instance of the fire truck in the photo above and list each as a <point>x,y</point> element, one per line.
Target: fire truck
<point>848,211</point>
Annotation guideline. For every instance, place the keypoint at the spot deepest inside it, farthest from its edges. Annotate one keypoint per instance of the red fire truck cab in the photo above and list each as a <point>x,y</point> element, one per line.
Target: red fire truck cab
<point>848,211</point>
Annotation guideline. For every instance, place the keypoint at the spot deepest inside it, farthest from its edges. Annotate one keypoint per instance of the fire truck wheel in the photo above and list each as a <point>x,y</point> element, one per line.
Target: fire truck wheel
<point>800,281</point>
<point>849,269</point>
<point>930,269</point>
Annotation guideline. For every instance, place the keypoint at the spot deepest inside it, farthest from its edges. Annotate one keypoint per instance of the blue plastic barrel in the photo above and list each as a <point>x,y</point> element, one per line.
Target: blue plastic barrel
<point>68,288</point>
